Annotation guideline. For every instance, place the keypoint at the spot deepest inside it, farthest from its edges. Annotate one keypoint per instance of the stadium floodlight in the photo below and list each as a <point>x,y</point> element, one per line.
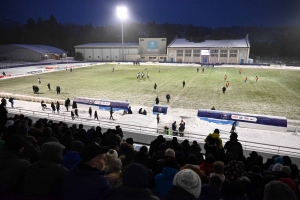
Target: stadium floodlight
<point>122,14</point>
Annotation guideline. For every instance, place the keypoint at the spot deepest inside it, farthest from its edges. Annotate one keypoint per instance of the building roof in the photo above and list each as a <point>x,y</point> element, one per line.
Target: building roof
<point>231,43</point>
<point>43,49</point>
<point>93,45</point>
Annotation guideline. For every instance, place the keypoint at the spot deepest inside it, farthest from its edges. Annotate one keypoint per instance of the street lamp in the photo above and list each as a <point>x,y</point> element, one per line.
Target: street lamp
<point>122,14</point>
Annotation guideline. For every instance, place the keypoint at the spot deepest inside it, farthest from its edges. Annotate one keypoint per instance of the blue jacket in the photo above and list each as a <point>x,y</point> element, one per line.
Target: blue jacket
<point>85,182</point>
<point>164,181</point>
<point>70,159</point>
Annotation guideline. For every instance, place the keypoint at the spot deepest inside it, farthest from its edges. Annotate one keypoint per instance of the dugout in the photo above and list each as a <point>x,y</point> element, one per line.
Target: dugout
<point>103,104</point>
<point>160,109</point>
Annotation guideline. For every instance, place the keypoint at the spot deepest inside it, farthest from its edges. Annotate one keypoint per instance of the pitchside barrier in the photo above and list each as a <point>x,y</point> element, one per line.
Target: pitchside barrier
<point>246,120</point>
<point>160,109</point>
<point>103,104</point>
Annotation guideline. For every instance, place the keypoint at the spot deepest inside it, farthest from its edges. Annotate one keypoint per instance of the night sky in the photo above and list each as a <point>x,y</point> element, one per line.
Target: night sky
<point>210,13</point>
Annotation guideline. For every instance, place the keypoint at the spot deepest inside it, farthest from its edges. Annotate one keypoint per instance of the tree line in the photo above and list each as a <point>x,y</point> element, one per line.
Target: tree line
<point>264,41</point>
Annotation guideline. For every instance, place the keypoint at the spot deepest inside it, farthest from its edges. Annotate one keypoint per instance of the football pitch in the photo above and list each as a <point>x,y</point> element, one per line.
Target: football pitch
<point>277,91</point>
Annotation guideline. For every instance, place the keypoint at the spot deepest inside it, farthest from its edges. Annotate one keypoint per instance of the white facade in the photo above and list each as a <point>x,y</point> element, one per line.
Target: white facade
<point>180,50</point>
<point>209,51</point>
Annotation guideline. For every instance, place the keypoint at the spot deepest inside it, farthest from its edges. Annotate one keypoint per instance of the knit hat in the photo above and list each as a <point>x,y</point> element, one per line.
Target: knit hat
<point>188,180</point>
<point>277,167</point>
<point>279,160</point>
<point>76,146</point>
<point>9,123</point>
<point>113,154</point>
<point>52,151</point>
<point>92,150</point>
<point>136,175</point>
<point>286,169</point>
<point>129,141</point>
<point>290,183</point>
<point>170,152</point>
<point>216,131</point>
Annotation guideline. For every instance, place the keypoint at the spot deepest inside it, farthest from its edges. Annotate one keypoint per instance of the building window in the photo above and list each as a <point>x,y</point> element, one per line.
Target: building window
<point>141,39</point>
<point>223,55</point>
<point>163,39</point>
<point>89,56</point>
<point>161,58</point>
<point>196,54</point>
<point>188,53</point>
<point>179,52</point>
<point>233,55</point>
<point>214,51</point>
<point>143,57</point>
<point>213,55</point>
<point>196,51</point>
<point>233,51</point>
<point>223,51</point>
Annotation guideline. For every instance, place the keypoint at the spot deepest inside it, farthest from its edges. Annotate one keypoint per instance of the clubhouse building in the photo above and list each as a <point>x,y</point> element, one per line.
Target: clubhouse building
<point>180,50</point>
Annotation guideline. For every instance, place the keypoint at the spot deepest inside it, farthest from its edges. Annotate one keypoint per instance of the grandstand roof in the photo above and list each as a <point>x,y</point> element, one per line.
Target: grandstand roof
<point>91,45</point>
<point>43,49</point>
<point>227,43</point>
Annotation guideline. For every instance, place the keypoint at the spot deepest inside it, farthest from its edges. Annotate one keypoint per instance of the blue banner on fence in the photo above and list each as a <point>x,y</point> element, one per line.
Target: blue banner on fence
<point>224,116</point>
<point>103,104</point>
<point>160,109</point>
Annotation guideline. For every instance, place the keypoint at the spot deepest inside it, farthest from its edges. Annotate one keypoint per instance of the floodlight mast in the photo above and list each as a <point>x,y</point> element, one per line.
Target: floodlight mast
<point>122,14</point>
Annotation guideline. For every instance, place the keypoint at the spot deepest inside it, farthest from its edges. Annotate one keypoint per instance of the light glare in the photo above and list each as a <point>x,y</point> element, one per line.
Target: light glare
<point>122,12</point>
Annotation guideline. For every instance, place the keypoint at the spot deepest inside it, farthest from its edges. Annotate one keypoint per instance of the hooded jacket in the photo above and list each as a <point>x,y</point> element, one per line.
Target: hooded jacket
<point>164,181</point>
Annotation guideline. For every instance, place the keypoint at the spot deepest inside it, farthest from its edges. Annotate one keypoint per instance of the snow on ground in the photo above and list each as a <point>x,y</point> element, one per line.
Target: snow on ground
<point>193,124</point>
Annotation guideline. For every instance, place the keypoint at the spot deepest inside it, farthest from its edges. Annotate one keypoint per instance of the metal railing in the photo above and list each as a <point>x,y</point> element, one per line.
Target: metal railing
<point>191,136</point>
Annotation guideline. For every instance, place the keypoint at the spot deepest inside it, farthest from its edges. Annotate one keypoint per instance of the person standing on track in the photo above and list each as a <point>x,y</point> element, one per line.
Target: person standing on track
<point>155,86</point>
<point>227,84</point>
<point>90,112</point>
<point>183,84</point>
<point>240,72</point>
<point>224,89</point>
<point>49,86</point>
<point>111,113</point>
<point>245,81</point>
<point>225,77</point>
<point>96,115</point>
<point>256,78</point>
<point>57,107</point>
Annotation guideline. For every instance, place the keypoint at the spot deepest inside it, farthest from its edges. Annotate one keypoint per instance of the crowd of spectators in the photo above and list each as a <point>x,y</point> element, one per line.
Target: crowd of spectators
<point>49,160</point>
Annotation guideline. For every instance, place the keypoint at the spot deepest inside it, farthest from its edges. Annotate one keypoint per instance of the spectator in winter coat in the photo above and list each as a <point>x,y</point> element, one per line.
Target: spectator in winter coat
<point>46,137</point>
<point>72,156</point>
<point>136,180</point>
<point>86,180</point>
<point>13,164</point>
<point>164,180</point>
<point>126,146</point>
<point>234,147</point>
<point>207,164</point>
<point>216,136</point>
<point>212,189</point>
<point>192,163</point>
<point>186,185</point>
<point>113,167</point>
<point>44,177</point>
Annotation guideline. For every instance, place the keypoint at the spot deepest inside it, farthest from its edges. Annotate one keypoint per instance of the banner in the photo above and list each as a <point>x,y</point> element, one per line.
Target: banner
<point>152,46</point>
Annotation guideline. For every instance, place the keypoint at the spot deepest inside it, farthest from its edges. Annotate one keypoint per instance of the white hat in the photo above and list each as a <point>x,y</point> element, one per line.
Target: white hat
<point>170,152</point>
<point>112,154</point>
<point>188,180</point>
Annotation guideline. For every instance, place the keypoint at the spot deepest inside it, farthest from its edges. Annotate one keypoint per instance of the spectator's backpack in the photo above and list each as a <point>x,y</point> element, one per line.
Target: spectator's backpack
<point>10,99</point>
